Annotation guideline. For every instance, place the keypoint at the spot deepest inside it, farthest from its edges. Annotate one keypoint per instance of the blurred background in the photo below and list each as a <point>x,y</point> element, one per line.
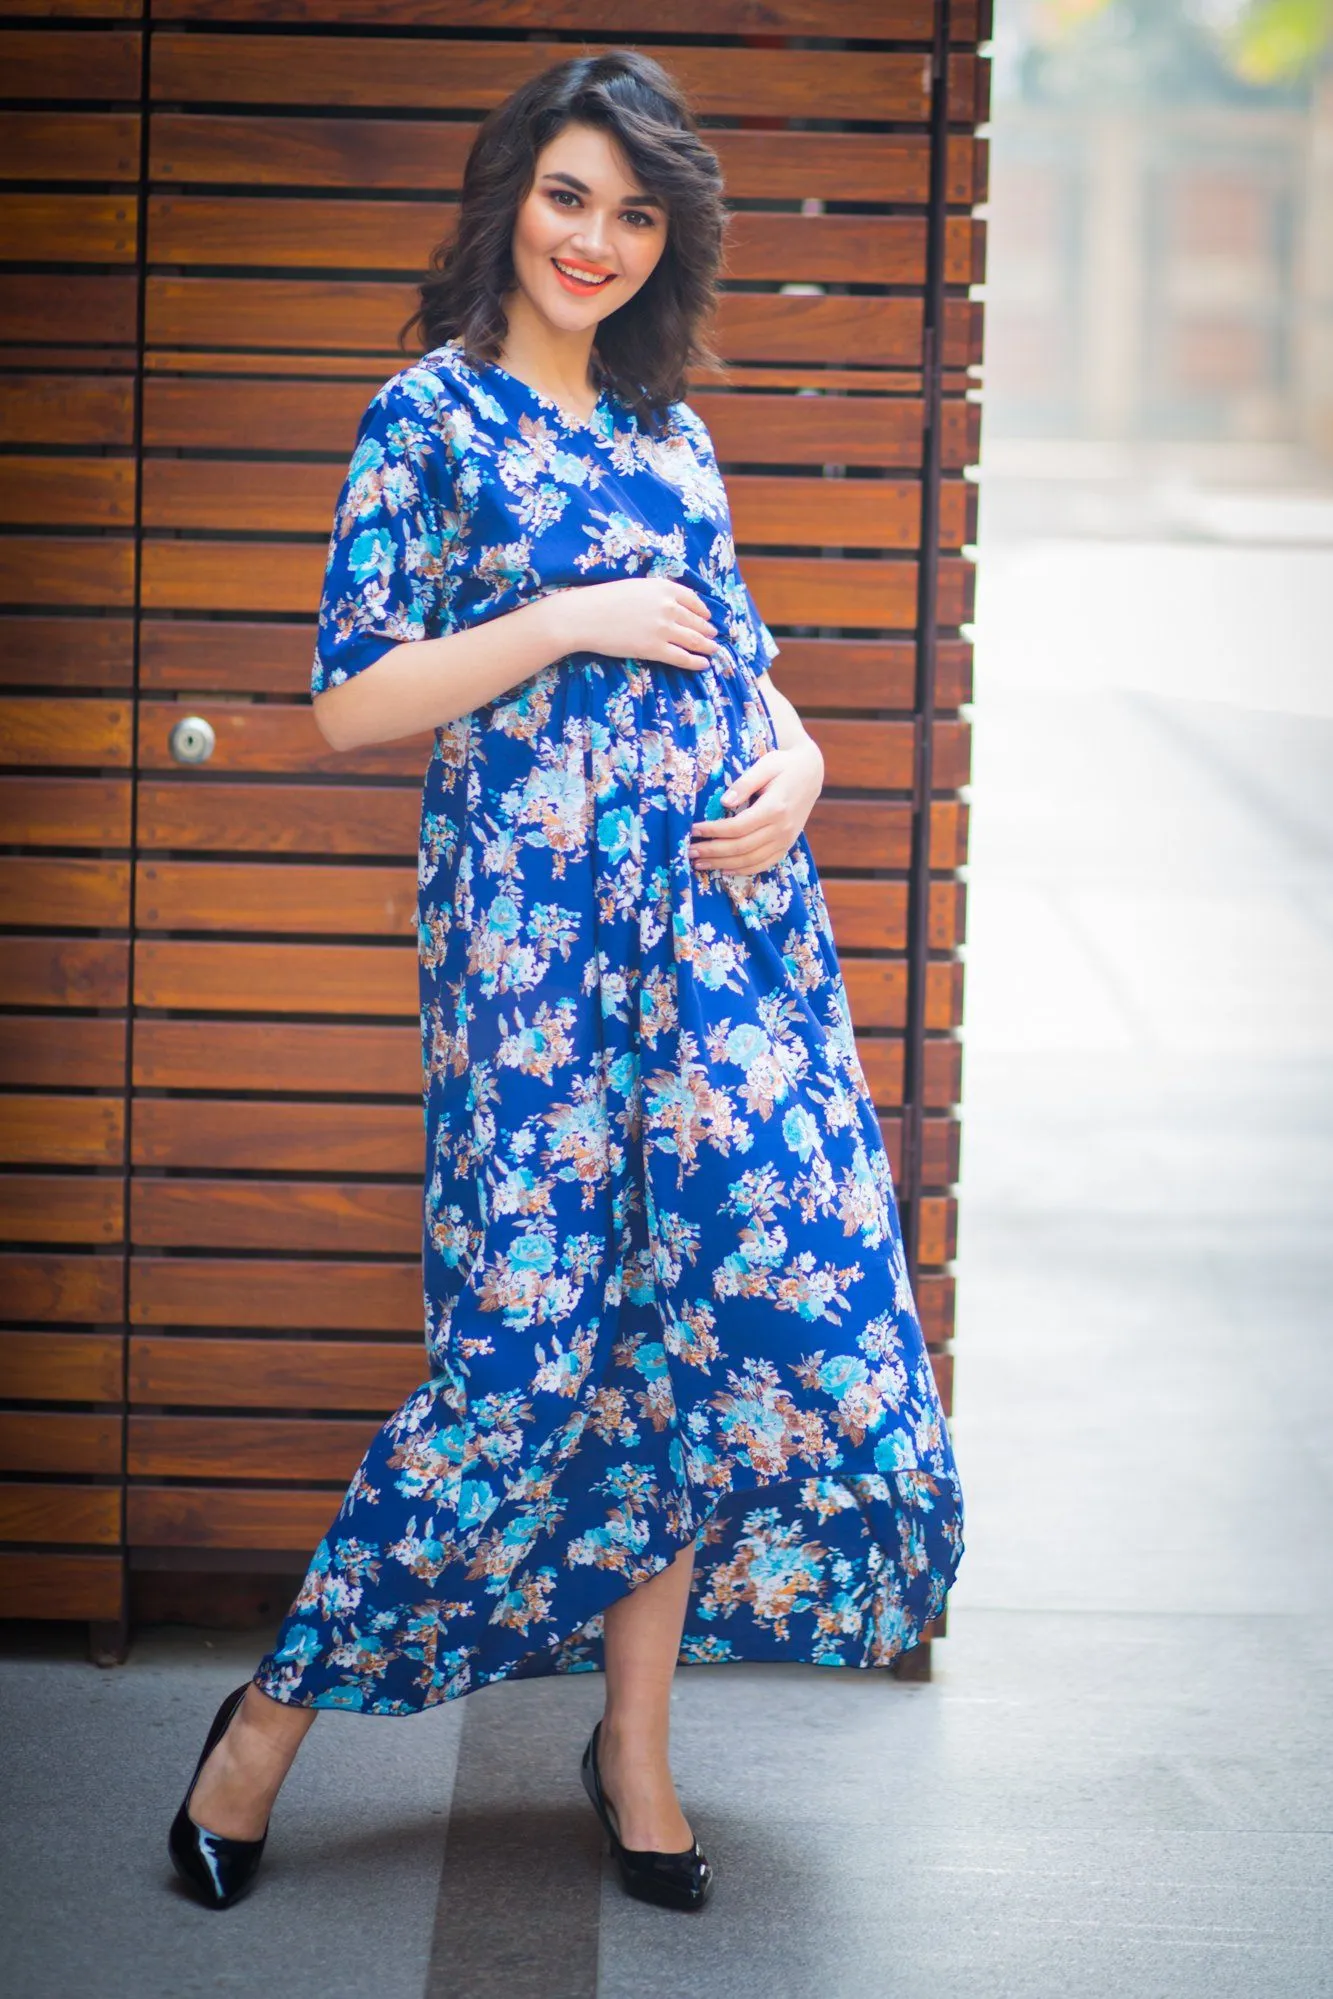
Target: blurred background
<point>1145,1386</point>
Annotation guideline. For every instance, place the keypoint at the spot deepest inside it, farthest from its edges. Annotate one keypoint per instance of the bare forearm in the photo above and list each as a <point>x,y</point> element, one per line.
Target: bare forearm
<point>426,683</point>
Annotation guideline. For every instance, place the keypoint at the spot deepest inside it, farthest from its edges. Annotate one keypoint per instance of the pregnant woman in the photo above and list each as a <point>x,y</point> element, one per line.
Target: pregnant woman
<point>679,1407</point>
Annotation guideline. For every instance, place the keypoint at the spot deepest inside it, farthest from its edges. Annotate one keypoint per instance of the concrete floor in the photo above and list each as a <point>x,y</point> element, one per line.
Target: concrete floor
<point>1120,1780</point>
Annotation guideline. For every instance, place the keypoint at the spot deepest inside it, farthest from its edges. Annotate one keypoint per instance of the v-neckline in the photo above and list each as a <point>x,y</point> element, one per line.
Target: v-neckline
<point>569,421</point>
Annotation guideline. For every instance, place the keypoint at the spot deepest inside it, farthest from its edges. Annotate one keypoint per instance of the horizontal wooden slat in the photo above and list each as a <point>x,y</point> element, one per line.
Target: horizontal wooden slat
<point>427,154</point>
<point>808,590</point>
<point>69,145</point>
<point>817,674</point>
<point>40,1440</point>
<point>56,1208</point>
<point>283,1449</point>
<point>347,1217</point>
<point>273,738</point>
<point>68,228</point>
<point>65,811</point>
<point>329,315</point>
<point>935,1305</point>
<point>270,497</point>
<point>881,1058</point>
<point>869,20</point>
<point>368,901</point>
<point>256,232</point>
<point>38,1130</point>
<point>280,819</point>
<point>60,1513</point>
<point>70,1586</point>
<point>877,992</point>
<point>287,1056</point>
<point>277,738</point>
<point>342,1218</point>
<point>41,308</point>
<point>353,820</point>
<point>474,75</point>
<point>219,1135</point>
<point>38,891</point>
<point>64,971</point>
<point>63,409</point>
<point>277,978</point>
<point>42,1051</point>
<point>200,1516</point>
<point>67,492</point>
<point>848,513</point>
<point>61,1367</point>
<point>940,1147</point>
<point>361,979</point>
<point>68,730</point>
<point>846,672</point>
<point>375,1376</point>
<point>66,569</point>
<point>879,756</point>
<point>86,1290</point>
<point>50,63</point>
<point>292,1293</point>
<point>876,833</point>
<point>184,653</point>
<point>872,915</point>
<point>51,651</point>
<point>938,1240</point>
<point>858,431</point>
<point>236,896</point>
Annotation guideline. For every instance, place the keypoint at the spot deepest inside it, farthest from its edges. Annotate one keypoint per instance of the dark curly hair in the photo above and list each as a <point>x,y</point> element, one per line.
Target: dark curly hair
<point>642,351</point>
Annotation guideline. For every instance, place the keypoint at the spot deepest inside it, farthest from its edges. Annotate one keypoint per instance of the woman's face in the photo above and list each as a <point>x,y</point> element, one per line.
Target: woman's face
<point>585,212</point>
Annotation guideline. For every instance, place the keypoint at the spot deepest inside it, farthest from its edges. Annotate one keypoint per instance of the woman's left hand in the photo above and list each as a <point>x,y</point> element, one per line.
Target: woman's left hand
<point>787,783</point>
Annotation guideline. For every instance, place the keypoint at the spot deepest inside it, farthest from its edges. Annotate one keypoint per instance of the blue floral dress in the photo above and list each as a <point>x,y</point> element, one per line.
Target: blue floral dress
<point>664,1286</point>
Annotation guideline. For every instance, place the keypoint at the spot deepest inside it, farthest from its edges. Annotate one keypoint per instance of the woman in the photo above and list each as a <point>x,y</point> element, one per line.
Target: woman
<point>679,1406</point>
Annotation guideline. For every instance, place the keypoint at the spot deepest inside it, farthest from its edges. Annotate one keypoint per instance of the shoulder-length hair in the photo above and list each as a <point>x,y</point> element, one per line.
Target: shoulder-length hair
<point>642,351</point>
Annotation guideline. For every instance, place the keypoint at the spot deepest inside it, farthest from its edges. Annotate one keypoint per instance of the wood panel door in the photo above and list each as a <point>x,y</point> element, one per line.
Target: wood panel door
<point>302,157</point>
<point>70,158</point>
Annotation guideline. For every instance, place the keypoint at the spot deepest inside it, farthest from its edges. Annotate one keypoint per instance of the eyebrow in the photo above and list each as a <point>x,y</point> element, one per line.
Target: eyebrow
<point>581,187</point>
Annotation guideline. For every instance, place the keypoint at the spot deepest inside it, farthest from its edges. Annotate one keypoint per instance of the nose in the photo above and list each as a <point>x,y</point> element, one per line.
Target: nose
<point>590,242</point>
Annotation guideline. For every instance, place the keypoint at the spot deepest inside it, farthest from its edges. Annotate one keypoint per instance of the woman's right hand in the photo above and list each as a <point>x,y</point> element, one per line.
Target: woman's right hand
<point>638,617</point>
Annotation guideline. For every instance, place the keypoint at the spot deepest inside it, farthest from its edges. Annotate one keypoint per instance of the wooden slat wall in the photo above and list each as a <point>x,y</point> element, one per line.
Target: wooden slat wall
<point>70,159</point>
<point>302,158</point>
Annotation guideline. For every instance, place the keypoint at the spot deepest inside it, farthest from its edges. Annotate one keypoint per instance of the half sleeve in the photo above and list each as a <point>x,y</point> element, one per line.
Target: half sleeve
<point>396,517</point>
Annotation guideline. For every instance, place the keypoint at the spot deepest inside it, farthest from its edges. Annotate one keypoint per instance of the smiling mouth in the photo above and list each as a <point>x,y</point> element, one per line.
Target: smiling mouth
<point>588,281</point>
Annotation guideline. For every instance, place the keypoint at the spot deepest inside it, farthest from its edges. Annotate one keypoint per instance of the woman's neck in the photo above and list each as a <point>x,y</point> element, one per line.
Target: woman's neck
<point>556,365</point>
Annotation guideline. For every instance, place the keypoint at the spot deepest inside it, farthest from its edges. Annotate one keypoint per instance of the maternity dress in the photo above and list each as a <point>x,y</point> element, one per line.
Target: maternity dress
<point>664,1286</point>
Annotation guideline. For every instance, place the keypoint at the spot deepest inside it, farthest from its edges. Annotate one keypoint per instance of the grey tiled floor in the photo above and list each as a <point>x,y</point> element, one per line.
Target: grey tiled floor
<point>1119,1780</point>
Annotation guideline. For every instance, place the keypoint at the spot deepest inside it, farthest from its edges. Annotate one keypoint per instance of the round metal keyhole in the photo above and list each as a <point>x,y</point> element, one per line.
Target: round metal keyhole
<point>192,740</point>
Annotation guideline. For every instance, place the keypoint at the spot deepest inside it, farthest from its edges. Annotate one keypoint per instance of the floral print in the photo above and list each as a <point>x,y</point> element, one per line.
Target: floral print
<point>665,1295</point>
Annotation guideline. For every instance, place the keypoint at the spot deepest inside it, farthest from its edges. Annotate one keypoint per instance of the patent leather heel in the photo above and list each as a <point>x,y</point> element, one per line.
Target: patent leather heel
<point>217,1871</point>
<point>671,1880</point>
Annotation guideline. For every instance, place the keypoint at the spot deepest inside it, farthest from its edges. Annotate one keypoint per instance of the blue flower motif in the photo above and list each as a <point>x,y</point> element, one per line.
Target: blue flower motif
<point>617,833</point>
<point>476,1503</point>
<point>800,1131</point>
<point>371,555</point>
<point>746,1043</point>
<point>532,1252</point>
<point>502,917</point>
<point>836,1376</point>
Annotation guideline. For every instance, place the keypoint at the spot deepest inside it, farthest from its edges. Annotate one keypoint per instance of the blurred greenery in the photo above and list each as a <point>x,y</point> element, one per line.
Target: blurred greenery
<point>1180,50</point>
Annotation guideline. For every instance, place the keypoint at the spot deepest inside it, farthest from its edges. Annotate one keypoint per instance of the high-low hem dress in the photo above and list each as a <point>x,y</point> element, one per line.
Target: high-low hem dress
<point>665,1293</point>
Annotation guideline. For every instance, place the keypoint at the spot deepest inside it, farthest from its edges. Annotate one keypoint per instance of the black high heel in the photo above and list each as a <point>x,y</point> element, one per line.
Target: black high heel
<point>217,1871</point>
<point>672,1880</point>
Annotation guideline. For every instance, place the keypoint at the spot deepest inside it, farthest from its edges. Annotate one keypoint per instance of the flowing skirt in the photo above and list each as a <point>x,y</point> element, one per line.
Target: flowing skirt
<point>664,1285</point>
